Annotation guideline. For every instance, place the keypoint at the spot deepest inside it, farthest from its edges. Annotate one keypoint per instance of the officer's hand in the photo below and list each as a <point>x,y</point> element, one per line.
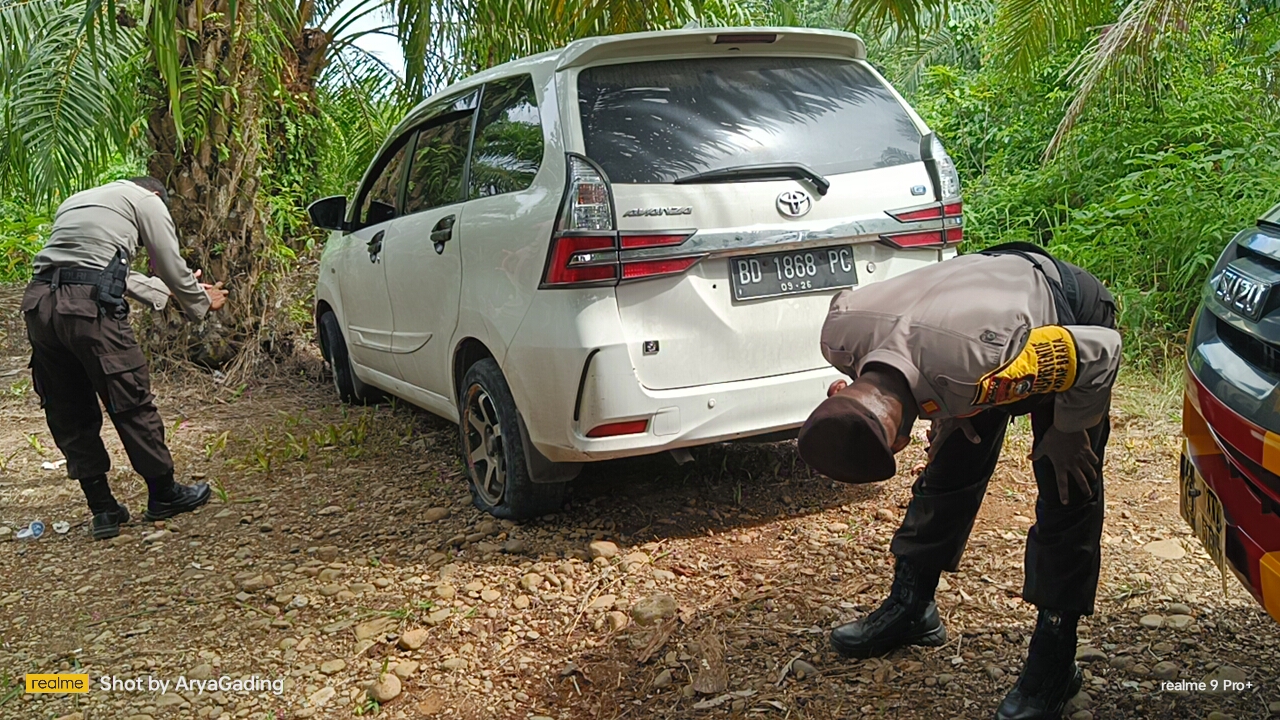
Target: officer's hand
<point>217,296</point>
<point>940,430</point>
<point>1072,458</point>
<point>836,387</point>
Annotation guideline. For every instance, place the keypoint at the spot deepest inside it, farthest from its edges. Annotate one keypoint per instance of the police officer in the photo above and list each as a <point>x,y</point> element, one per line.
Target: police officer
<point>83,348</point>
<point>968,344</point>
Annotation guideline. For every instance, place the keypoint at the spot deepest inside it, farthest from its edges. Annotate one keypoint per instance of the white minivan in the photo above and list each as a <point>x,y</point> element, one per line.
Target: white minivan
<point>626,246</point>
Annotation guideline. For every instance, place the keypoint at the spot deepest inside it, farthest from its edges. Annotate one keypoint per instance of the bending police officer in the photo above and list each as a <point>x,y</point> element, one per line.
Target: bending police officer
<point>968,344</point>
<point>83,349</point>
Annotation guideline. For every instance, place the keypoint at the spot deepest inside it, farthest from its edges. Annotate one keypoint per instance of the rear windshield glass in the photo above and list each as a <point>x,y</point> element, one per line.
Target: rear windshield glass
<point>654,122</point>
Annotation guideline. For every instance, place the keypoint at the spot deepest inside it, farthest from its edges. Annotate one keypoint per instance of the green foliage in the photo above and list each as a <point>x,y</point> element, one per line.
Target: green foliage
<point>22,234</point>
<point>1145,192</point>
<point>63,118</point>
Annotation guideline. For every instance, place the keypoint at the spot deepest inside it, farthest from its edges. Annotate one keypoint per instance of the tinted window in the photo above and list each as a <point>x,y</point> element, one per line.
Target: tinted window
<point>381,200</point>
<point>508,147</point>
<point>435,175</point>
<point>657,121</point>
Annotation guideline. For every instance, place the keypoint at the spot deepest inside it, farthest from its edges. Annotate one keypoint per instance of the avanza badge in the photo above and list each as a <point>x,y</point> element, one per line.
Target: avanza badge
<point>1047,364</point>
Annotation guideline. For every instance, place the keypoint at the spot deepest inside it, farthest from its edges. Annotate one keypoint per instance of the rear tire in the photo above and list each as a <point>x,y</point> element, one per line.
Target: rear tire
<point>350,389</point>
<point>493,451</point>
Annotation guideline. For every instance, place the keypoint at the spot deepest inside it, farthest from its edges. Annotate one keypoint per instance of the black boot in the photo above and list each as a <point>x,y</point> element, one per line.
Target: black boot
<point>107,524</point>
<point>175,500</point>
<point>1051,676</point>
<point>907,617</point>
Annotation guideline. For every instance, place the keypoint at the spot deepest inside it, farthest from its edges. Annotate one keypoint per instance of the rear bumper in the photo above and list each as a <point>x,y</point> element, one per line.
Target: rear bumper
<point>1240,461</point>
<point>610,393</point>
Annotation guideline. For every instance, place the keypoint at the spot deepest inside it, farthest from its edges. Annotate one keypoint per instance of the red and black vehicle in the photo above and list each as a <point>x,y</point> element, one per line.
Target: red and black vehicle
<point>1230,468</point>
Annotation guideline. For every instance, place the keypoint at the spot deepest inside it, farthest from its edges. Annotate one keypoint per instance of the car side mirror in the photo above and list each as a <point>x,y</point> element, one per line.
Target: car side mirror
<point>329,213</point>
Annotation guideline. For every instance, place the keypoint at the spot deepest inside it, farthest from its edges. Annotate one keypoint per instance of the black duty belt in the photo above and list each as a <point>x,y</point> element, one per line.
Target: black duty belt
<point>69,276</point>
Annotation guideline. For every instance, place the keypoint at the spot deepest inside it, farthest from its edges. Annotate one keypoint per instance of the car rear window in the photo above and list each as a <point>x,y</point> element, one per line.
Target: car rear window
<point>654,122</point>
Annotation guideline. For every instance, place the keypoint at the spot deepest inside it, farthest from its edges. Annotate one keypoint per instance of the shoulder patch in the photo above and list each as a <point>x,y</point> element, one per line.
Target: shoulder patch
<point>1047,364</point>
<point>929,407</point>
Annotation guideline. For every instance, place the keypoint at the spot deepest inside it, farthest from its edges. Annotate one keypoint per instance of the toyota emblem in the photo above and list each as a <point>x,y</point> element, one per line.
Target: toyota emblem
<point>795,203</point>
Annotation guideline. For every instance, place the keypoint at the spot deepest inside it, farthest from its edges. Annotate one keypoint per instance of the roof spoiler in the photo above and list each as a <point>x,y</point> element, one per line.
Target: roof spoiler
<point>711,41</point>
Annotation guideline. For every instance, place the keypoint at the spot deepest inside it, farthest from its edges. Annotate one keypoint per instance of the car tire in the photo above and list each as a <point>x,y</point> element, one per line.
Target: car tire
<point>494,453</point>
<point>350,389</point>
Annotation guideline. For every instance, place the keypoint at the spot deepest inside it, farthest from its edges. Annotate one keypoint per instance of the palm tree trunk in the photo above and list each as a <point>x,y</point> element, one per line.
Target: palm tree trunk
<point>214,168</point>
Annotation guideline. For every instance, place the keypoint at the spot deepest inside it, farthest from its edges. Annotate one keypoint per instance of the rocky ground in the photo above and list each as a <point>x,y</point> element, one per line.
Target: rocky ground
<point>342,560</point>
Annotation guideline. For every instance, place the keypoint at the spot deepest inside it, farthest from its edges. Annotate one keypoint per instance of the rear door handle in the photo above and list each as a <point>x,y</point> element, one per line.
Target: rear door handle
<point>443,231</point>
<point>375,246</point>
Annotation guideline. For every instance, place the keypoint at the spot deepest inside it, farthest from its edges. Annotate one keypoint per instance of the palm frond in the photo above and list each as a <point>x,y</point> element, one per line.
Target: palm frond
<point>1123,52</point>
<point>877,15</point>
<point>64,117</point>
<point>1027,30</point>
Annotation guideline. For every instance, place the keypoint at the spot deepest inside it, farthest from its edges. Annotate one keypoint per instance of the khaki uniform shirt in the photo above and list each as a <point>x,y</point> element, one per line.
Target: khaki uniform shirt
<point>972,333</point>
<point>90,227</point>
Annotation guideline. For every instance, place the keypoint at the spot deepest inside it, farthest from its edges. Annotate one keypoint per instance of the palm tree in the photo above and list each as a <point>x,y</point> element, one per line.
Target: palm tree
<point>221,96</point>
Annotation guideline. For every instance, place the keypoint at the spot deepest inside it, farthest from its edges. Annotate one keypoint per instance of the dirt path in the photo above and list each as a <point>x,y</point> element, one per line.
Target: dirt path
<point>343,547</point>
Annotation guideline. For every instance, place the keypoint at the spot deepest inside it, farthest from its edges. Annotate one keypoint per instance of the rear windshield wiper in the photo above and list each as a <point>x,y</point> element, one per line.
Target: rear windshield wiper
<point>769,171</point>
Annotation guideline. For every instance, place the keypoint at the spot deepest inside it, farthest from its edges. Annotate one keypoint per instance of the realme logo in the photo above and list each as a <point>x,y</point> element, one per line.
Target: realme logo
<point>57,683</point>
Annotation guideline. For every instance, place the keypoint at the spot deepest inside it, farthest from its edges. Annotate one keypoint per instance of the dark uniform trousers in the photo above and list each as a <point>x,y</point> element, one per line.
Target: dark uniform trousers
<point>79,356</point>
<point>1063,553</point>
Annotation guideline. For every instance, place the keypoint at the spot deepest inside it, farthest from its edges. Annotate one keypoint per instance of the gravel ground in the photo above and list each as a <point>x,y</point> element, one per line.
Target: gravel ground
<point>342,561</point>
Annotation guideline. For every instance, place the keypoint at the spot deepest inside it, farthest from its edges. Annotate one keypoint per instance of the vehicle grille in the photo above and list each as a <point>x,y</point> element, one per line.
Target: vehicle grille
<point>1260,354</point>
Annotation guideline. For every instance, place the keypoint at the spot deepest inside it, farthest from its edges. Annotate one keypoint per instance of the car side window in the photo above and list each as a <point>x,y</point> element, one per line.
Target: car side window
<point>508,145</point>
<point>381,201</point>
<point>439,161</point>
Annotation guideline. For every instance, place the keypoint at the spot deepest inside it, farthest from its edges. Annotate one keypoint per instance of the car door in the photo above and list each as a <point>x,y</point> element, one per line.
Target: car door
<point>366,305</point>
<point>423,264</point>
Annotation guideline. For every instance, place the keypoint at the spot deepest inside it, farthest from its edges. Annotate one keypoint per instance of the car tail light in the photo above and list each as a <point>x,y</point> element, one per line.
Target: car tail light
<point>632,242</point>
<point>577,259</point>
<point>586,245</point>
<point>653,268</point>
<point>588,203</point>
<point>933,212</point>
<point>584,249</point>
<point>941,168</point>
<point>630,427</point>
<point>920,239</point>
<point>949,213</point>
<point>953,222</point>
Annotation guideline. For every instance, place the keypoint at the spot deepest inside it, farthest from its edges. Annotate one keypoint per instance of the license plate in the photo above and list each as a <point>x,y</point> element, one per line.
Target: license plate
<point>1202,510</point>
<point>792,273</point>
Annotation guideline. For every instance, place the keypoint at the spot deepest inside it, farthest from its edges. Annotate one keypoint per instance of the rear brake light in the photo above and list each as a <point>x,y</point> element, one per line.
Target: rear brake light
<point>652,268</point>
<point>585,247</point>
<point>928,238</point>
<point>929,213</point>
<point>578,258</point>
<point>933,212</point>
<point>630,242</point>
<point>631,427</point>
<point>745,38</point>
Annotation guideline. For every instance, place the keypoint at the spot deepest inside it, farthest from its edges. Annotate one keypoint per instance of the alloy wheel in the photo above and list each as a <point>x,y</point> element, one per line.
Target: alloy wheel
<point>484,446</point>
